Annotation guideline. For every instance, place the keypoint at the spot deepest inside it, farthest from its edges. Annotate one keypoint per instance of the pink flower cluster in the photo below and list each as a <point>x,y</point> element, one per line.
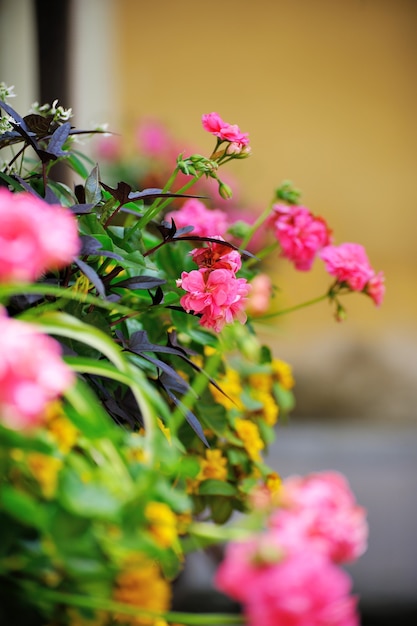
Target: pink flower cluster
<point>206,222</point>
<point>214,291</point>
<point>34,236</point>
<point>213,123</point>
<point>350,265</point>
<point>320,510</point>
<point>300,234</point>
<point>288,575</point>
<point>32,373</point>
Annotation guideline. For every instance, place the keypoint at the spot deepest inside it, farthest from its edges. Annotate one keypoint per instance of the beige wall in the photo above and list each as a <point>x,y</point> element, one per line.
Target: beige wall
<point>327,91</point>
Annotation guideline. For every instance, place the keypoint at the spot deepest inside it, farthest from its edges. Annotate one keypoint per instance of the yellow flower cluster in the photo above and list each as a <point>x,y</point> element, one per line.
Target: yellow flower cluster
<point>214,465</point>
<point>162,523</point>
<point>282,371</point>
<point>59,427</point>
<point>141,585</point>
<point>270,409</point>
<point>230,383</point>
<point>248,432</point>
<point>45,469</point>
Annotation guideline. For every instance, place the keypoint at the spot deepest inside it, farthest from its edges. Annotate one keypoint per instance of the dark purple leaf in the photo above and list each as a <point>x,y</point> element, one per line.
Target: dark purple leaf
<point>157,297</point>
<point>20,121</point>
<point>121,193</point>
<point>39,124</point>
<point>92,275</point>
<point>140,282</point>
<point>79,192</point>
<point>58,139</point>
<point>189,416</point>
<point>152,193</point>
<point>90,246</point>
<point>51,197</point>
<point>81,209</point>
<point>26,186</point>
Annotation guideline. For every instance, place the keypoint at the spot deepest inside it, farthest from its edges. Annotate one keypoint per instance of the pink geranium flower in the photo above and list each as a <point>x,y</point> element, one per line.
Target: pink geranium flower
<point>34,236</point>
<point>217,256</point>
<point>289,588</point>
<point>206,222</point>
<point>32,373</point>
<point>350,265</point>
<point>217,295</point>
<point>300,234</point>
<point>213,123</point>
<point>321,510</point>
<point>375,288</point>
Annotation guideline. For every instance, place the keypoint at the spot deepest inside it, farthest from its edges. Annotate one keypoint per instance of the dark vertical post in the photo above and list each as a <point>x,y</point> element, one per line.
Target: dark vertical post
<point>52,27</point>
<point>52,35</point>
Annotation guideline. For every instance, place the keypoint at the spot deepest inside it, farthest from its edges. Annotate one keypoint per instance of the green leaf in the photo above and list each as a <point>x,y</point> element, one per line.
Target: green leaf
<point>67,326</point>
<point>92,187</point>
<point>87,499</point>
<point>15,439</point>
<point>86,412</point>
<point>212,487</point>
<point>77,165</point>
<point>22,507</point>
<point>221,509</point>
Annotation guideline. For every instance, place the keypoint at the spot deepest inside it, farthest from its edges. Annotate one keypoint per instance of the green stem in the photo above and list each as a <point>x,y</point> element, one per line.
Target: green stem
<point>290,309</point>
<point>160,205</point>
<point>262,254</point>
<point>261,219</point>
<point>102,604</point>
<point>12,289</point>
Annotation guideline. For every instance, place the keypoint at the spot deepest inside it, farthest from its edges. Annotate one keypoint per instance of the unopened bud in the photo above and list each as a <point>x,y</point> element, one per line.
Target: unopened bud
<point>239,229</point>
<point>225,191</point>
<point>288,193</point>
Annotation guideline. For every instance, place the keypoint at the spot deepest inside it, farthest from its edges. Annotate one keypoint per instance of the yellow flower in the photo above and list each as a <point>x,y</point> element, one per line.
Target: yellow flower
<point>213,466</point>
<point>164,429</point>
<point>283,373</point>
<point>62,431</point>
<point>249,434</point>
<point>45,469</point>
<point>270,410</point>
<point>231,385</point>
<point>162,523</point>
<point>273,483</point>
<point>260,381</point>
<point>141,585</point>
<point>183,522</point>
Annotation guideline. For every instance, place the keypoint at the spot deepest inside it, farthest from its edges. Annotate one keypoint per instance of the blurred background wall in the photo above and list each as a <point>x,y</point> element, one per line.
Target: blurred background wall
<point>327,91</point>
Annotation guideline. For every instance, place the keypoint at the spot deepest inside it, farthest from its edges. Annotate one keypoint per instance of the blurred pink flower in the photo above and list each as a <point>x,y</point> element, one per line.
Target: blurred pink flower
<point>320,510</point>
<point>349,263</point>
<point>294,588</point>
<point>152,138</point>
<point>217,295</point>
<point>375,288</point>
<point>300,234</point>
<point>260,295</point>
<point>213,123</point>
<point>32,373</point>
<point>109,147</point>
<point>34,236</point>
<point>206,222</point>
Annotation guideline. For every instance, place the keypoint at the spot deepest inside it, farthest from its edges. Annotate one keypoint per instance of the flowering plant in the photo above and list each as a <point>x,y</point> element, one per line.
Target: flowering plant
<point>136,400</point>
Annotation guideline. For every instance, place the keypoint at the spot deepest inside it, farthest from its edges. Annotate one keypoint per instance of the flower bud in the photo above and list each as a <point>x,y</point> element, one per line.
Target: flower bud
<point>225,191</point>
